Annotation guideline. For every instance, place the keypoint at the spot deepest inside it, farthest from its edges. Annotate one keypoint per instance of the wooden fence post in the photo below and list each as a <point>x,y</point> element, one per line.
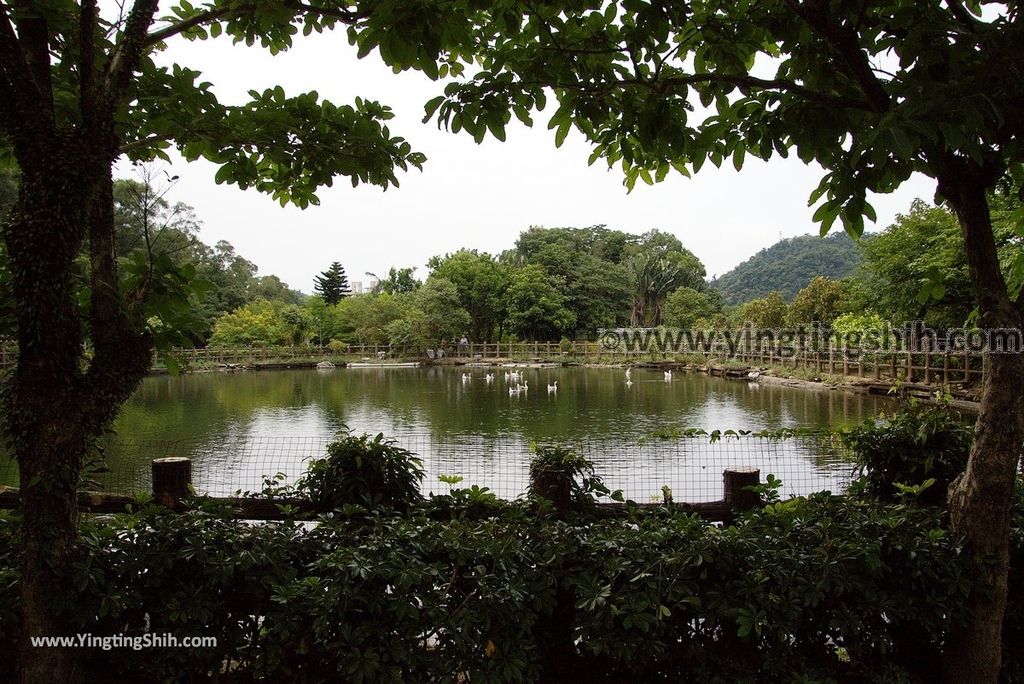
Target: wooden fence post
<point>172,480</point>
<point>735,481</point>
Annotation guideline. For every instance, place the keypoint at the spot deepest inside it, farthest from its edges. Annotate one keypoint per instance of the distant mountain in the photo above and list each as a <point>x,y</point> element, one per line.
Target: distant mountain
<point>788,265</point>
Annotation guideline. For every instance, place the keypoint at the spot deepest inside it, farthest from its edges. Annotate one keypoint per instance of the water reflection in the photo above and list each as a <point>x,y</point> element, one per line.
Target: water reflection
<point>239,427</point>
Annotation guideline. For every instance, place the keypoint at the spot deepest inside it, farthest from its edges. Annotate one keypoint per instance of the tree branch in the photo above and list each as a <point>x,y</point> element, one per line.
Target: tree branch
<point>87,63</point>
<point>23,101</point>
<point>192,22</point>
<point>963,17</point>
<point>221,13</point>
<point>737,80</point>
<point>127,54</point>
<point>965,184</point>
<point>783,85</point>
<point>845,41</point>
<point>121,345</point>
<point>34,36</point>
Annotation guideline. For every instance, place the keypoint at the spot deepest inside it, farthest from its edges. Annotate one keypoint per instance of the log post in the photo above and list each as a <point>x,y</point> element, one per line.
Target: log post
<point>735,481</point>
<point>555,485</point>
<point>172,480</point>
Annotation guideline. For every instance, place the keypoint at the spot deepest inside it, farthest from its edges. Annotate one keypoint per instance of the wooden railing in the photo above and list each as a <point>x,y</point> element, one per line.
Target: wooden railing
<point>946,368</point>
<point>937,367</point>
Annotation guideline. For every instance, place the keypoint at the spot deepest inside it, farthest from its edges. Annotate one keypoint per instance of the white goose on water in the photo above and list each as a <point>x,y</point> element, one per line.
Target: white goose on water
<point>553,388</point>
<point>629,374</point>
<point>668,376</point>
<point>489,378</point>
<point>465,377</point>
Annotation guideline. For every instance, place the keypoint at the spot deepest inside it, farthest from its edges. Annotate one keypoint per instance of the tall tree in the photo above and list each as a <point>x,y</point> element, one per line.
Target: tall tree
<point>764,313</point>
<point>820,302</point>
<point>332,284</point>
<point>398,281</point>
<point>78,90</point>
<point>481,282</point>
<point>686,306</point>
<point>536,310</point>
<point>922,254</point>
<point>585,265</point>
<point>873,92</point>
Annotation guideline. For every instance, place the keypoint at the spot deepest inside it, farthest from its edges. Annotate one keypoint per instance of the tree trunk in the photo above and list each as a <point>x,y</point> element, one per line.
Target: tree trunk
<point>979,508</point>
<point>42,408</point>
<point>980,499</point>
<point>55,405</point>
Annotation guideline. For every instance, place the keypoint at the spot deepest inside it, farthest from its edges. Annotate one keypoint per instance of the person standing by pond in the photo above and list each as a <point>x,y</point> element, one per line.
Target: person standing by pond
<point>463,345</point>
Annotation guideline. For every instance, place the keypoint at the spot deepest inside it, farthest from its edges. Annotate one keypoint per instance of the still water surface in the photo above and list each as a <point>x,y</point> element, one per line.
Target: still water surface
<point>238,427</point>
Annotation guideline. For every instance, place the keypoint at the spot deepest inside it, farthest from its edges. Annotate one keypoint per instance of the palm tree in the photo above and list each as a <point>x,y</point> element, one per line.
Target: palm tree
<point>655,277</point>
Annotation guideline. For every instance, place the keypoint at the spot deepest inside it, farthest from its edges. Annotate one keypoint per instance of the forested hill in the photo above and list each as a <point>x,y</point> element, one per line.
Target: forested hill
<point>788,265</point>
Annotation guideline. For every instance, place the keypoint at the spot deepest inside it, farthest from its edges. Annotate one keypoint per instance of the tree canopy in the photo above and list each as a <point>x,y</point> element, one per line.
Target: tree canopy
<point>917,270</point>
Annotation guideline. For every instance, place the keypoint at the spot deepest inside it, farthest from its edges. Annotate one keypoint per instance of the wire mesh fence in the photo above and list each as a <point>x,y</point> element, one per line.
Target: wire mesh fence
<point>691,466</point>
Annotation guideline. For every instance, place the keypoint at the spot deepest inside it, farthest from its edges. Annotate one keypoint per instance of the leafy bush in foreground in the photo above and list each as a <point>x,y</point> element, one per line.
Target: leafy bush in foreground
<point>907,449</point>
<point>363,471</point>
<point>818,589</point>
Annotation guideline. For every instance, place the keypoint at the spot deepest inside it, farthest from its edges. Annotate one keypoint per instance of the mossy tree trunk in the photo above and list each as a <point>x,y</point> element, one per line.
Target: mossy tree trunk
<point>980,499</point>
<point>57,401</point>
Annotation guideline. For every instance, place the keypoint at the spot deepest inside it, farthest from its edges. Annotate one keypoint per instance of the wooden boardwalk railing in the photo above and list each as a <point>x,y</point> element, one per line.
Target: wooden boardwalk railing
<point>936,367</point>
<point>945,368</point>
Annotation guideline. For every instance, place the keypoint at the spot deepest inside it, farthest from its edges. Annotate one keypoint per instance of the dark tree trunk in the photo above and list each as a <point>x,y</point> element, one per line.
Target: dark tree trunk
<point>42,408</point>
<point>980,499</point>
<point>55,405</point>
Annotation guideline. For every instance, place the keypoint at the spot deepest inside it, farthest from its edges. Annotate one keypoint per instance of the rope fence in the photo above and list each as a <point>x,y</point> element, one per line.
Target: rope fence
<point>691,466</point>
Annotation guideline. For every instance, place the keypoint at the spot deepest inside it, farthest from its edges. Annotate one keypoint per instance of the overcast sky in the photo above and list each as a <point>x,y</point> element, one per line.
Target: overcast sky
<point>469,195</point>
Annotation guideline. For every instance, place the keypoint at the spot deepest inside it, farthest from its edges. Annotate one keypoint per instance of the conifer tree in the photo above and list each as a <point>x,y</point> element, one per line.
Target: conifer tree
<point>332,284</point>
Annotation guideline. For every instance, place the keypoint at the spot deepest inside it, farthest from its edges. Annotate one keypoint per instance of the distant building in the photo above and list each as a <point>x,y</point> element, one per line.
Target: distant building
<point>359,287</point>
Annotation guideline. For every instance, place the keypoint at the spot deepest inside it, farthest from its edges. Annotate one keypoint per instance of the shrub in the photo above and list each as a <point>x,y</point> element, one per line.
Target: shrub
<point>907,449</point>
<point>566,479</point>
<point>819,589</point>
<point>336,346</point>
<point>363,471</point>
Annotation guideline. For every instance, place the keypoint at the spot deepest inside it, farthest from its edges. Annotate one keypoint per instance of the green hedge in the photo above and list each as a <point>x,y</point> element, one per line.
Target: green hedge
<point>819,589</point>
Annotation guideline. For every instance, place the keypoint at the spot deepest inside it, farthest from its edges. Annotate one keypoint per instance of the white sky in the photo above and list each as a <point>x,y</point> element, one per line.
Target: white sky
<point>469,195</point>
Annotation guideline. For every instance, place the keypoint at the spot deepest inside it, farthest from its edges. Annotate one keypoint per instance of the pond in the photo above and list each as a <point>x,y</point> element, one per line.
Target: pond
<point>240,427</point>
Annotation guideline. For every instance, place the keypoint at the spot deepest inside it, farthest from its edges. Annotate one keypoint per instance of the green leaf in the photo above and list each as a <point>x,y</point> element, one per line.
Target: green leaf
<point>563,130</point>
